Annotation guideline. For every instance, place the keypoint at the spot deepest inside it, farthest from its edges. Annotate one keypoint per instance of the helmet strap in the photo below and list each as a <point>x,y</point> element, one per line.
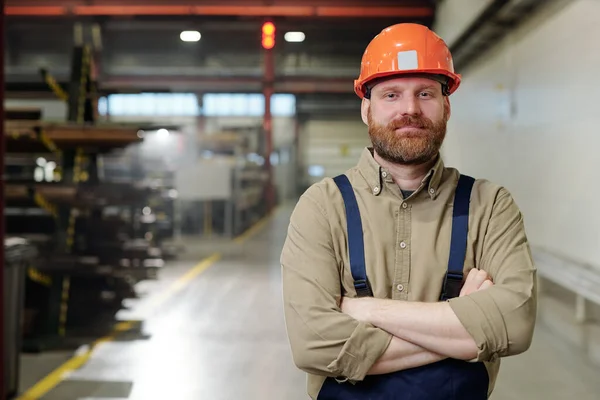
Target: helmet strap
<point>445,89</point>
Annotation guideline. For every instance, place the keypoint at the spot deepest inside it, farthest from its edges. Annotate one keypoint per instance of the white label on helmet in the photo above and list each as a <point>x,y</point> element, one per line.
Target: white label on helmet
<point>407,60</point>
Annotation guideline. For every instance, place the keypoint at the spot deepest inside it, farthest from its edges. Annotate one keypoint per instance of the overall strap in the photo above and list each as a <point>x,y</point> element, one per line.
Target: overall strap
<point>356,247</point>
<point>458,243</point>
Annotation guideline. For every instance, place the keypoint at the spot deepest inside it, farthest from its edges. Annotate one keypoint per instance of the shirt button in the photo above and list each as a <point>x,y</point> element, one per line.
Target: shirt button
<point>404,205</point>
<point>400,288</point>
<point>376,189</point>
<point>432,191</point>
<point>384,174</point>
<point>403,245</point>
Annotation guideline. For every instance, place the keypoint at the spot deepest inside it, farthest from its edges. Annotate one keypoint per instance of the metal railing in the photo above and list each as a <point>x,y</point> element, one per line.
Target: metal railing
<point>581,279</point>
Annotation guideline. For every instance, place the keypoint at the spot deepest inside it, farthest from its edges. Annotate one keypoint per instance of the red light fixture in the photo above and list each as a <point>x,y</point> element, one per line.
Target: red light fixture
<point>268,35</point>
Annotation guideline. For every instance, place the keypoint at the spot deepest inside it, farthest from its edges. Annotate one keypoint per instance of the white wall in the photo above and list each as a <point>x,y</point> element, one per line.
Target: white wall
<point>454,16</point>
<point>527,117</point>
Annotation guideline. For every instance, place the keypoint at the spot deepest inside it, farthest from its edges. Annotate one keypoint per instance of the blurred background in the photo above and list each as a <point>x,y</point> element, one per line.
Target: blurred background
<point>154,151</point>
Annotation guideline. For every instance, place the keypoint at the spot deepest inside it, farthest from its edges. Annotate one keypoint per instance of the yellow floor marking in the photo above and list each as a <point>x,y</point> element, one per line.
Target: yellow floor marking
<point>55,377</point>
<point>76,362</point>
<point>182,281</point>
<point>255,228</point>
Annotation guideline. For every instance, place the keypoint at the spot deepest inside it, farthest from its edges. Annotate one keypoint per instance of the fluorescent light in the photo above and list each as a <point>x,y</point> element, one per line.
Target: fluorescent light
<point>190,36</point>
<point>294,37</point>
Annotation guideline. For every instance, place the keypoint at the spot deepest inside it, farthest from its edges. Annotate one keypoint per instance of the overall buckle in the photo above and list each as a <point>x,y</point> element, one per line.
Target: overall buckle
<point>363,288</point>
<point>452,286</point>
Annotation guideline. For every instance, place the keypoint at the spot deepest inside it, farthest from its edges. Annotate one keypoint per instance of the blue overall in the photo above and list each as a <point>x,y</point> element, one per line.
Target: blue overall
<point>449,379</point>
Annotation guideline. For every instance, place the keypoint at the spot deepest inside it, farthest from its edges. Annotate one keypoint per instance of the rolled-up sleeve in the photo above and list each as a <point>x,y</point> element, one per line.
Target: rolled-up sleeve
<point>501,319</point>
<point>324,341</point>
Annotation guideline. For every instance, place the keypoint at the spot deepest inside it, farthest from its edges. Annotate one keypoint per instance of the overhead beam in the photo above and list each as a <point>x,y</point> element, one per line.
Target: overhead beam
<point>492,25</point>
<point>240,84</point>
<point>80,8</point>
<point>294,85</point>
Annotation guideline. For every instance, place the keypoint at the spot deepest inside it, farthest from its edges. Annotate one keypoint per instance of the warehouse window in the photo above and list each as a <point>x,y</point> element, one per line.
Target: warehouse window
<point>283,105</point>
<point>149,104</point>
<point>247,105</point>
<point>186,104</point>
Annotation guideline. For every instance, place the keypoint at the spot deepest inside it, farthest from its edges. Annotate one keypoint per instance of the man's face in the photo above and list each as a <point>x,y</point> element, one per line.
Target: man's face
<point>407,119</point>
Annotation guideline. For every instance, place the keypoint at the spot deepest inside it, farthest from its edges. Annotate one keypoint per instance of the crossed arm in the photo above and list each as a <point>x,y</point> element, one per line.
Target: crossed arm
<point>335,336</point>
<point>423,333</point>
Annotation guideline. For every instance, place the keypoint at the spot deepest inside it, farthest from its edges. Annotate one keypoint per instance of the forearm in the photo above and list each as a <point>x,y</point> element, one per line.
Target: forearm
<point>433,326</point>
<point>401,355</point>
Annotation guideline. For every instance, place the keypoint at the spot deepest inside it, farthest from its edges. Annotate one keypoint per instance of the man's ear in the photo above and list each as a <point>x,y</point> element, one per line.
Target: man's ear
<point>448,108</point>
<point>364,110</point>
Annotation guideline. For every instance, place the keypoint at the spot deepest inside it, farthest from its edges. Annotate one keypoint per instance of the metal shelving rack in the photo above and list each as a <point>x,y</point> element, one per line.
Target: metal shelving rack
<point>87,264</point>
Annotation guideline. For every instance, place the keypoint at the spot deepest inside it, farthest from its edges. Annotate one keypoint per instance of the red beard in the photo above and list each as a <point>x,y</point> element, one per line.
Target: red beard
<point>418,145</point>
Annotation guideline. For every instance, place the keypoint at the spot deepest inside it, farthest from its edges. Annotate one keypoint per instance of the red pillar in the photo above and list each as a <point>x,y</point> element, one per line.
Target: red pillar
<point>268,79</point>
<point>2,150</point>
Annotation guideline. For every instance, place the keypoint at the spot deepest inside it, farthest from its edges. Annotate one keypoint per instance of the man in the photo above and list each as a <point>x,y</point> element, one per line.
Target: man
<point>402,278</point>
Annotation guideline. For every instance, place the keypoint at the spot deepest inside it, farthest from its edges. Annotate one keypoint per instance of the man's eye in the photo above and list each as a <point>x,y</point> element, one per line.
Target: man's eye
<point>390,95</point>
<point>425,94</point>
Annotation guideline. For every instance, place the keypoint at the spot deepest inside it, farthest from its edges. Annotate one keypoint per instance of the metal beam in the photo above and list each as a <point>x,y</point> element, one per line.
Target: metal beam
<point>226,84</point>
<point>148,83</point>
<point>83,8</point>
<point>3,348</point>
<point>491,26</point>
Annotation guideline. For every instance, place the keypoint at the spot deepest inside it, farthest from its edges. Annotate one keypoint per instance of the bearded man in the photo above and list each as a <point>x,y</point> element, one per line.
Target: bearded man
<point>403,278</point>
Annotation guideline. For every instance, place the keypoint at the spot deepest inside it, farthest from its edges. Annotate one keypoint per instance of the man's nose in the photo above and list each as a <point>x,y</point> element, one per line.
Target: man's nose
<point>410,106</point>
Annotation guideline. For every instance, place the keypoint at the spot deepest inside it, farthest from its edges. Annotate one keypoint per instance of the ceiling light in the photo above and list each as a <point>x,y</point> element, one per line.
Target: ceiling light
<point>190,36</point>
<point>294,37</point>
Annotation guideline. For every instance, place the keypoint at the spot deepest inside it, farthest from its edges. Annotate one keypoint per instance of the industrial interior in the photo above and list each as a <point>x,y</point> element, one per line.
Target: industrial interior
<point>154,151</point>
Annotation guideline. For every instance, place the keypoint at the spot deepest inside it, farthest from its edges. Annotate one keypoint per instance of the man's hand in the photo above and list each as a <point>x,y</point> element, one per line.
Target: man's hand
<point>476,280</point>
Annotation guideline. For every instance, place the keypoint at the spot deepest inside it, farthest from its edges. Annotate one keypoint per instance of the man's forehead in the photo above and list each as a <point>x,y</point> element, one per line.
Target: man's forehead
<point>408,80</point>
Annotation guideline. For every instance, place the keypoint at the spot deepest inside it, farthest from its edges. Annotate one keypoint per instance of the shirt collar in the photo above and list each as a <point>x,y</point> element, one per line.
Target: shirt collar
<point>374,174</point>
<point>435,177</point>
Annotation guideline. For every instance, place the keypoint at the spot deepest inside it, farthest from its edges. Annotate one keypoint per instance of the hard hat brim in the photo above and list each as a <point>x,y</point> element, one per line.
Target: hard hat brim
<point>360,86</point>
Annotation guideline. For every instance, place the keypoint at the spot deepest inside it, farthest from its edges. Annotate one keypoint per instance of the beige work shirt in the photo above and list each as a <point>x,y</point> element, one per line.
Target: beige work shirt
<point>407,244</point>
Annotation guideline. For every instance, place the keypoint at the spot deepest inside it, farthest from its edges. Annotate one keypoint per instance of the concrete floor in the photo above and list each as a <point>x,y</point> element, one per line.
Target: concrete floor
<point>222,336</point>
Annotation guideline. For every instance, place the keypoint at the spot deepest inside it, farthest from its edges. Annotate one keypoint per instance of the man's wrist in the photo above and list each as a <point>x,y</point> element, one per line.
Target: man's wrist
<point>377,311</point>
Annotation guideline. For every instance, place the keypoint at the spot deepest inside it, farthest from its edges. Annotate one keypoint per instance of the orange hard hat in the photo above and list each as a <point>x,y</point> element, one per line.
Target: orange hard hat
<point>406,48</point>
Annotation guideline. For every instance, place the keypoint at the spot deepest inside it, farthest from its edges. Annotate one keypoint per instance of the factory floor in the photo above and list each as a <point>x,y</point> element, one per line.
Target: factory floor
<point>211,327</point>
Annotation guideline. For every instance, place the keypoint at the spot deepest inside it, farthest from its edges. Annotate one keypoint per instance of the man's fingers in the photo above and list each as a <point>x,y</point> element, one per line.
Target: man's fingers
<point>472,273</point>
<point>486,284</point>
<point>468,285</point>
<point>479,278</point>
<point>475,279</point>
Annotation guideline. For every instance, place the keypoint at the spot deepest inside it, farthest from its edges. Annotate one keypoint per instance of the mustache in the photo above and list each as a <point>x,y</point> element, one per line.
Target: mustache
<point>411,122</point>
